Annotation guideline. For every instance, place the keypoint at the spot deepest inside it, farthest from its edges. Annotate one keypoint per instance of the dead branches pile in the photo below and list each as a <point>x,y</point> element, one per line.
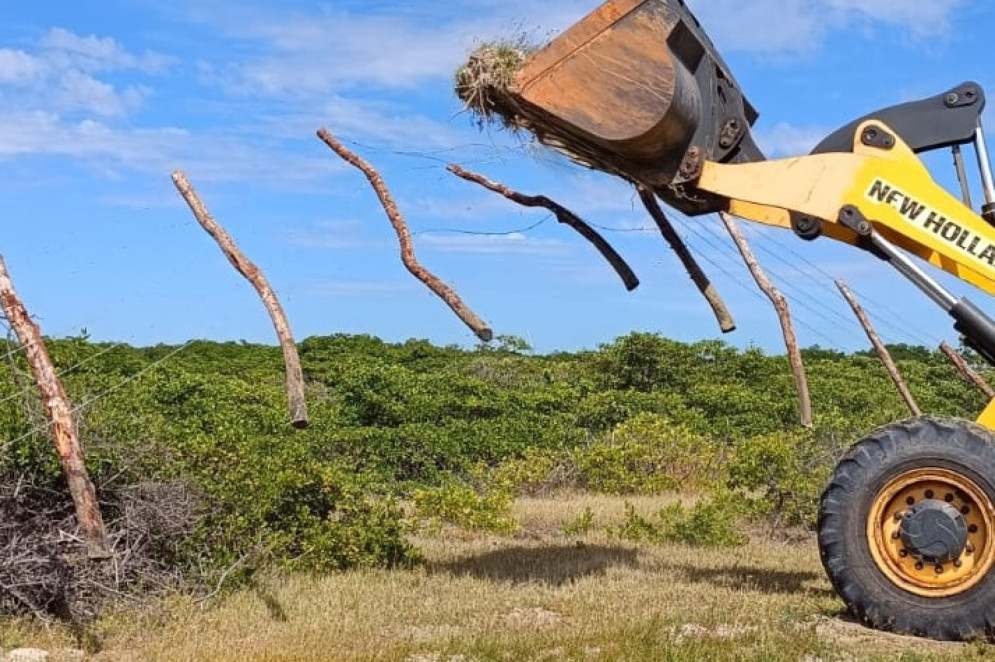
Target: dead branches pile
<point>45,570</point>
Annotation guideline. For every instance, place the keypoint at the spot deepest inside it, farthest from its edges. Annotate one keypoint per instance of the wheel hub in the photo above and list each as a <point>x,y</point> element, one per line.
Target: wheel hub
<point>931,532</point>
<point>934,531</point>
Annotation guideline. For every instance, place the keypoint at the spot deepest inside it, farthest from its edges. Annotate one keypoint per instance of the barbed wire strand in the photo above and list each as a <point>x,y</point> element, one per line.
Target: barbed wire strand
<point>100,396</point>
<point>894,320</point>
<point>64,371</point>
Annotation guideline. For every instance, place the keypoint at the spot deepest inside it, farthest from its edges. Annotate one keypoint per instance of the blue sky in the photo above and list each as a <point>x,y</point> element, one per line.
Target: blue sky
<point>100,101</point>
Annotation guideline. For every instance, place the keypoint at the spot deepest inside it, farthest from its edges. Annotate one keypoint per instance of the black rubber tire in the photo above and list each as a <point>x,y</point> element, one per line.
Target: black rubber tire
<point>956,445</point>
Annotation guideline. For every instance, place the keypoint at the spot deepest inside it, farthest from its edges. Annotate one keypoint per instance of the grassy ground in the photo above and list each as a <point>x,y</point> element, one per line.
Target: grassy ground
<point>540,595</point>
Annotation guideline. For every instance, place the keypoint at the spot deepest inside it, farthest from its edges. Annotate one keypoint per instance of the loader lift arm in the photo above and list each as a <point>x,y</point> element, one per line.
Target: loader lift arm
<point>878,196</point>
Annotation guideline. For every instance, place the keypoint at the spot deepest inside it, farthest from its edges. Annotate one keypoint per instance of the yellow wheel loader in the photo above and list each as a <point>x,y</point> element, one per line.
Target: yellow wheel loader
<point>907,523</point>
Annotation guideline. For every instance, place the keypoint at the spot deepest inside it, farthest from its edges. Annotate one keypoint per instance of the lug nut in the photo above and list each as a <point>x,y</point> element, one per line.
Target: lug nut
<point>920,565</point>
<point>929,494</point>
<point>910,500</point>
<point>973,528</point>
<point>939,569</point>
<point>958,563</point>
<point>966,510</point>
<point>896,535</point>
<point>948,498</point>
<point>903,553</point>
<point>899,516</point>
<point>969,548</point>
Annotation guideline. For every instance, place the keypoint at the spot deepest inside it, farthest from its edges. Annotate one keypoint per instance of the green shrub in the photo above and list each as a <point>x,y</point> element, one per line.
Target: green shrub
<point>466,507</point>
<point>582,524</point>
<point>781,475</point>
<point>709,523</point>
<point>648,454</point>
<point>538,470</point>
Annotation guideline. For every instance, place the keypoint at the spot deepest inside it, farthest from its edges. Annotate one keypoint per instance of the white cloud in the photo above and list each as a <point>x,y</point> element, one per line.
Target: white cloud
<point>365,289</point>
<point>785,140</point>
<point>61,75</point>
<point>798,26</point>
<point>515,243</point>
<point>17,67</point>
<point>337,235</point>
<point>92,53</point>
<point>77,90</point>
<point>321,52</point>
<point>922,18</point>
<point>205,156</point>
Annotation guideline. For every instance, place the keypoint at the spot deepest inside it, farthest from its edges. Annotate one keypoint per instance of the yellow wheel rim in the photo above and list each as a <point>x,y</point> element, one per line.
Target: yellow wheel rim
<point>914,574</point>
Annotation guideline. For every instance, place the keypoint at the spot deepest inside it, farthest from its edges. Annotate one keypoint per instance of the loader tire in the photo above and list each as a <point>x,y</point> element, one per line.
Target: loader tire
<point>907,529</point>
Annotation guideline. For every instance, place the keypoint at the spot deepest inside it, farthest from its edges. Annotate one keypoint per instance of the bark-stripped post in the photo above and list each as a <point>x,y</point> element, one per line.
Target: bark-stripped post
<point>291,359</point>
<point>881,350</point>
<point>705,286</point>
<point>443,291</point>
<point>783,315</point>
<point>563,215</point>
<point>60,414</point>
<point>970,375</point>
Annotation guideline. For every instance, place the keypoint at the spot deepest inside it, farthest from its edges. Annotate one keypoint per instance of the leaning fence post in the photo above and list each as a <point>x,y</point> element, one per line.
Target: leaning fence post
<point>880,348</point>
<point>965,370</point>
<point>783,315</point>
<point>60,413</point>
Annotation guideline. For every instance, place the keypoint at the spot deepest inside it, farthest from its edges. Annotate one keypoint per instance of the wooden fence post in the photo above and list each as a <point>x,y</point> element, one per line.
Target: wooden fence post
<point>965,370</point>
<point>881,350</point>
<point>292,362</point>
<point>433,282</point>
<point>783,314</point>
<point>64,432</point>
<point>705,286</point>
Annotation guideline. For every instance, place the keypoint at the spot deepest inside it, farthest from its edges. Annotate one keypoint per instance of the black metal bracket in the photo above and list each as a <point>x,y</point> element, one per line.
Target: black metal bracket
<point>876,136</point>
<point>945,120</point>
<point>853,219</point>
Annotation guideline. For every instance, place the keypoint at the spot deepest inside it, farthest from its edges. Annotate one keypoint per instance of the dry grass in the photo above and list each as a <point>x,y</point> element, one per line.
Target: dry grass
<point>483,83</point>
<point>537,596</point>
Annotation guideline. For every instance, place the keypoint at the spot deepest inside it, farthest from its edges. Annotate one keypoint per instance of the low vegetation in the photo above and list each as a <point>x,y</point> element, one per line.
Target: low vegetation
<point>537,595</point>
<point>207,489</point>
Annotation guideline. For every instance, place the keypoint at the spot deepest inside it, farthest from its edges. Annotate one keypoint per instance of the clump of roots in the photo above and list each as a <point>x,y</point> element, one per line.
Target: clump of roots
<point>484,82</point>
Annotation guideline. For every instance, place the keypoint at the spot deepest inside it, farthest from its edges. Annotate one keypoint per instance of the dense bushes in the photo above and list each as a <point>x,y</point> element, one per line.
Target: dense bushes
<point>460,431</point>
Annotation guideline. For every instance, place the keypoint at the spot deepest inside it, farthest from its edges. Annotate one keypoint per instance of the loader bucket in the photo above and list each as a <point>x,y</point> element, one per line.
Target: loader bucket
<point>638,89</point>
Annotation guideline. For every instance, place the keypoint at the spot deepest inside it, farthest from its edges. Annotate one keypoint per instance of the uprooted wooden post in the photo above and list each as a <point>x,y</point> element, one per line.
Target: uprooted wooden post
<point>705,286</point>
<point>292,363</point>
<point>443,291</point>
<point>563,215</point>
<point>60,414</point>
<point>783,315</point>
<point>879,347</point>
<point>965,370</point>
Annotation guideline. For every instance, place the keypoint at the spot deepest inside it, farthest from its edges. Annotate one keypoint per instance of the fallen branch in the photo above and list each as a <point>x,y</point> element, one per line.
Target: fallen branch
<point>443,291</point>
<point>783,314</point>
<point>712,296</point>
<point>65,434</point>
<point>965,370</point>
<point>291,359</point>
<point>881,350</point>
<point>563,215</point>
